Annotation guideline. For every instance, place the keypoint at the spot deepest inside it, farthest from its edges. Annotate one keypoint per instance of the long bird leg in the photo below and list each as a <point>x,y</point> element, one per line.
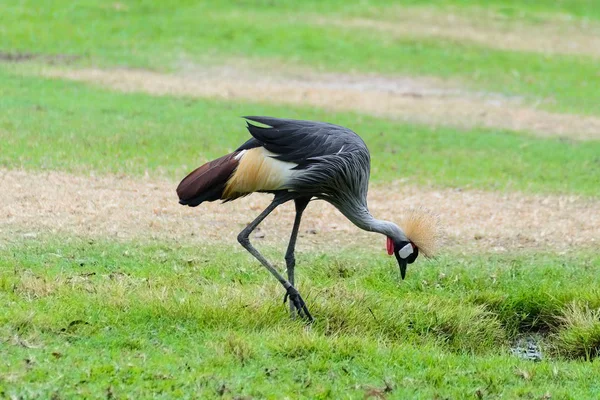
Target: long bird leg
<point>290,259</point>
<point>245,241</point>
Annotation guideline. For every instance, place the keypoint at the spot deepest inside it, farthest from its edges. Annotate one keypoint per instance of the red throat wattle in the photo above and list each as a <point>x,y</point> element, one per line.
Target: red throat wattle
<point>390,246</point>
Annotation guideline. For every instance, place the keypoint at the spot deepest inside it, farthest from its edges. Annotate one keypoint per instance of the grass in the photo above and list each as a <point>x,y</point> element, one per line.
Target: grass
<point>157,36</point>
<point>43,128</point>
<point>88,317</point>
<point>585,9</point>
<point>580,335</point>
<point>532,10</point>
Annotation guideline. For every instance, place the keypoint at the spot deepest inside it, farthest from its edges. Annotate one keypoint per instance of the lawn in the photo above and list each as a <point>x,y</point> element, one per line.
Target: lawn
<point>88,317</point>
<point>147,34</point>
<point>168,136</point>
<point>148,317</point>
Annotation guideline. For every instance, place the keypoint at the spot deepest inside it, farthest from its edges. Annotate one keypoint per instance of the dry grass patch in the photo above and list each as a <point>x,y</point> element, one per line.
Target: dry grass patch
<point>124,207</point>
<point>484,28</point>
<point>428,101</point>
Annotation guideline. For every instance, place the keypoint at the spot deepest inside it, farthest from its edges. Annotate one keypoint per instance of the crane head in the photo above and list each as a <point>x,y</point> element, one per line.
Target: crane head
<point>420,235</point>
<point>405,252</point>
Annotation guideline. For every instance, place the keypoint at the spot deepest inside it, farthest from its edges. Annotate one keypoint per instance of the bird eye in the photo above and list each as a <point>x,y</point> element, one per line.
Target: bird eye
<point>406,251</point>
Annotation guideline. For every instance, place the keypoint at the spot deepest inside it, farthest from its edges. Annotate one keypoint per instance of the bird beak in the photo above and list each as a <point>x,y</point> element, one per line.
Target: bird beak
<point>402,264</point>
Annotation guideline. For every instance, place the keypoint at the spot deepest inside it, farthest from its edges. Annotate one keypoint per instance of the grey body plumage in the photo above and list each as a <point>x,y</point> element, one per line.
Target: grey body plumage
<point>331,163</point>
<point>336,165</point>
<point>335,161</point>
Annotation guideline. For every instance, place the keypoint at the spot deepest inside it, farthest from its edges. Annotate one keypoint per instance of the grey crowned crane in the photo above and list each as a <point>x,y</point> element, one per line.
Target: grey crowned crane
<point>299,161</point>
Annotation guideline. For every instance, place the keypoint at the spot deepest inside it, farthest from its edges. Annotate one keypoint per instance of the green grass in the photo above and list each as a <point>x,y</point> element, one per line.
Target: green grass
<point>585,9</point>
<point>537,9</point>
<point>93,318</point>
<point>87,317</point>
<point>52,124</point>
<point>156,36</point>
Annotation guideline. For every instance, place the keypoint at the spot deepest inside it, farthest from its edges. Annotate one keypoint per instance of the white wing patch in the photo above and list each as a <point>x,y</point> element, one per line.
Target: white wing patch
<point>240,155</point>
<point>258,171</point>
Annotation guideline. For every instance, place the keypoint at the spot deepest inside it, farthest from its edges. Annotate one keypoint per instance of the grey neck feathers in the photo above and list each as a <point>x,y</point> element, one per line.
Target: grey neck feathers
<point>362,218</point>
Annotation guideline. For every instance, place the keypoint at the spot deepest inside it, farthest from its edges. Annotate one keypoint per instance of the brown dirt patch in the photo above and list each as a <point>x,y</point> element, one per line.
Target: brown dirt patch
<point>486,29</point>
<point>33,204</point>
<point>428,101</point>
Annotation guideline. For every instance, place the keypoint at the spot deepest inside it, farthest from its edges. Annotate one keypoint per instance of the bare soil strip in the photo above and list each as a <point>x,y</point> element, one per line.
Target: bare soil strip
<point>547,37</point>
<point>35,204</point>
<point>427,101</point>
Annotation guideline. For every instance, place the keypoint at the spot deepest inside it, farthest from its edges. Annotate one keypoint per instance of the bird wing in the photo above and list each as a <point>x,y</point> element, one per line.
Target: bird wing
<point>301,142</point>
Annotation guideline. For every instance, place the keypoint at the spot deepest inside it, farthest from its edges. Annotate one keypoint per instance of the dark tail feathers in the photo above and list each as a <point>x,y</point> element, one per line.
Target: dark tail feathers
<point>206,183</point>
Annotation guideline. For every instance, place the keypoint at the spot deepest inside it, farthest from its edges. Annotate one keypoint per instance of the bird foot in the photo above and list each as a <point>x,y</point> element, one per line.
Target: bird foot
<point>298,303</point>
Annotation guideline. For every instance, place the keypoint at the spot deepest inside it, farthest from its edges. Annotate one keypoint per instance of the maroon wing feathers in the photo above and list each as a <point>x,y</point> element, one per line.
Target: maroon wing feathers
<point>206,183</point>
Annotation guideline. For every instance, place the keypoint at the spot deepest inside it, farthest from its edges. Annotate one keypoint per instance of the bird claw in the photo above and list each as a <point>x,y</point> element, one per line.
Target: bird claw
<point>298,303</point>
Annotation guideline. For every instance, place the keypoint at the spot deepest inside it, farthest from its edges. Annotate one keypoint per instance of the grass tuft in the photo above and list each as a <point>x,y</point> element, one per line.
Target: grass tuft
<point>238,347</point>
<point>579,332</point>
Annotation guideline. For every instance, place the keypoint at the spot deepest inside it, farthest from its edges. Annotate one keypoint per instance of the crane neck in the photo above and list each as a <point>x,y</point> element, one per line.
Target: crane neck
<point>362,218</point>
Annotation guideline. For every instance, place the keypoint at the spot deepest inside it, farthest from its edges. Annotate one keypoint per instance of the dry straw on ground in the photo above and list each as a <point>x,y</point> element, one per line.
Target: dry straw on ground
<point>553,36</point>
<point>421,100</point>
<point>33,204</point>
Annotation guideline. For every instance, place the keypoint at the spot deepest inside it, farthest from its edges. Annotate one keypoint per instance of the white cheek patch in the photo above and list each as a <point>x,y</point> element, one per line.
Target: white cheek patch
<point>406,251</point>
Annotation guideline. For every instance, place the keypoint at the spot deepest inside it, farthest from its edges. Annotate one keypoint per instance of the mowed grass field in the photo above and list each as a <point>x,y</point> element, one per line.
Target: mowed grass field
<point>91,312</point>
